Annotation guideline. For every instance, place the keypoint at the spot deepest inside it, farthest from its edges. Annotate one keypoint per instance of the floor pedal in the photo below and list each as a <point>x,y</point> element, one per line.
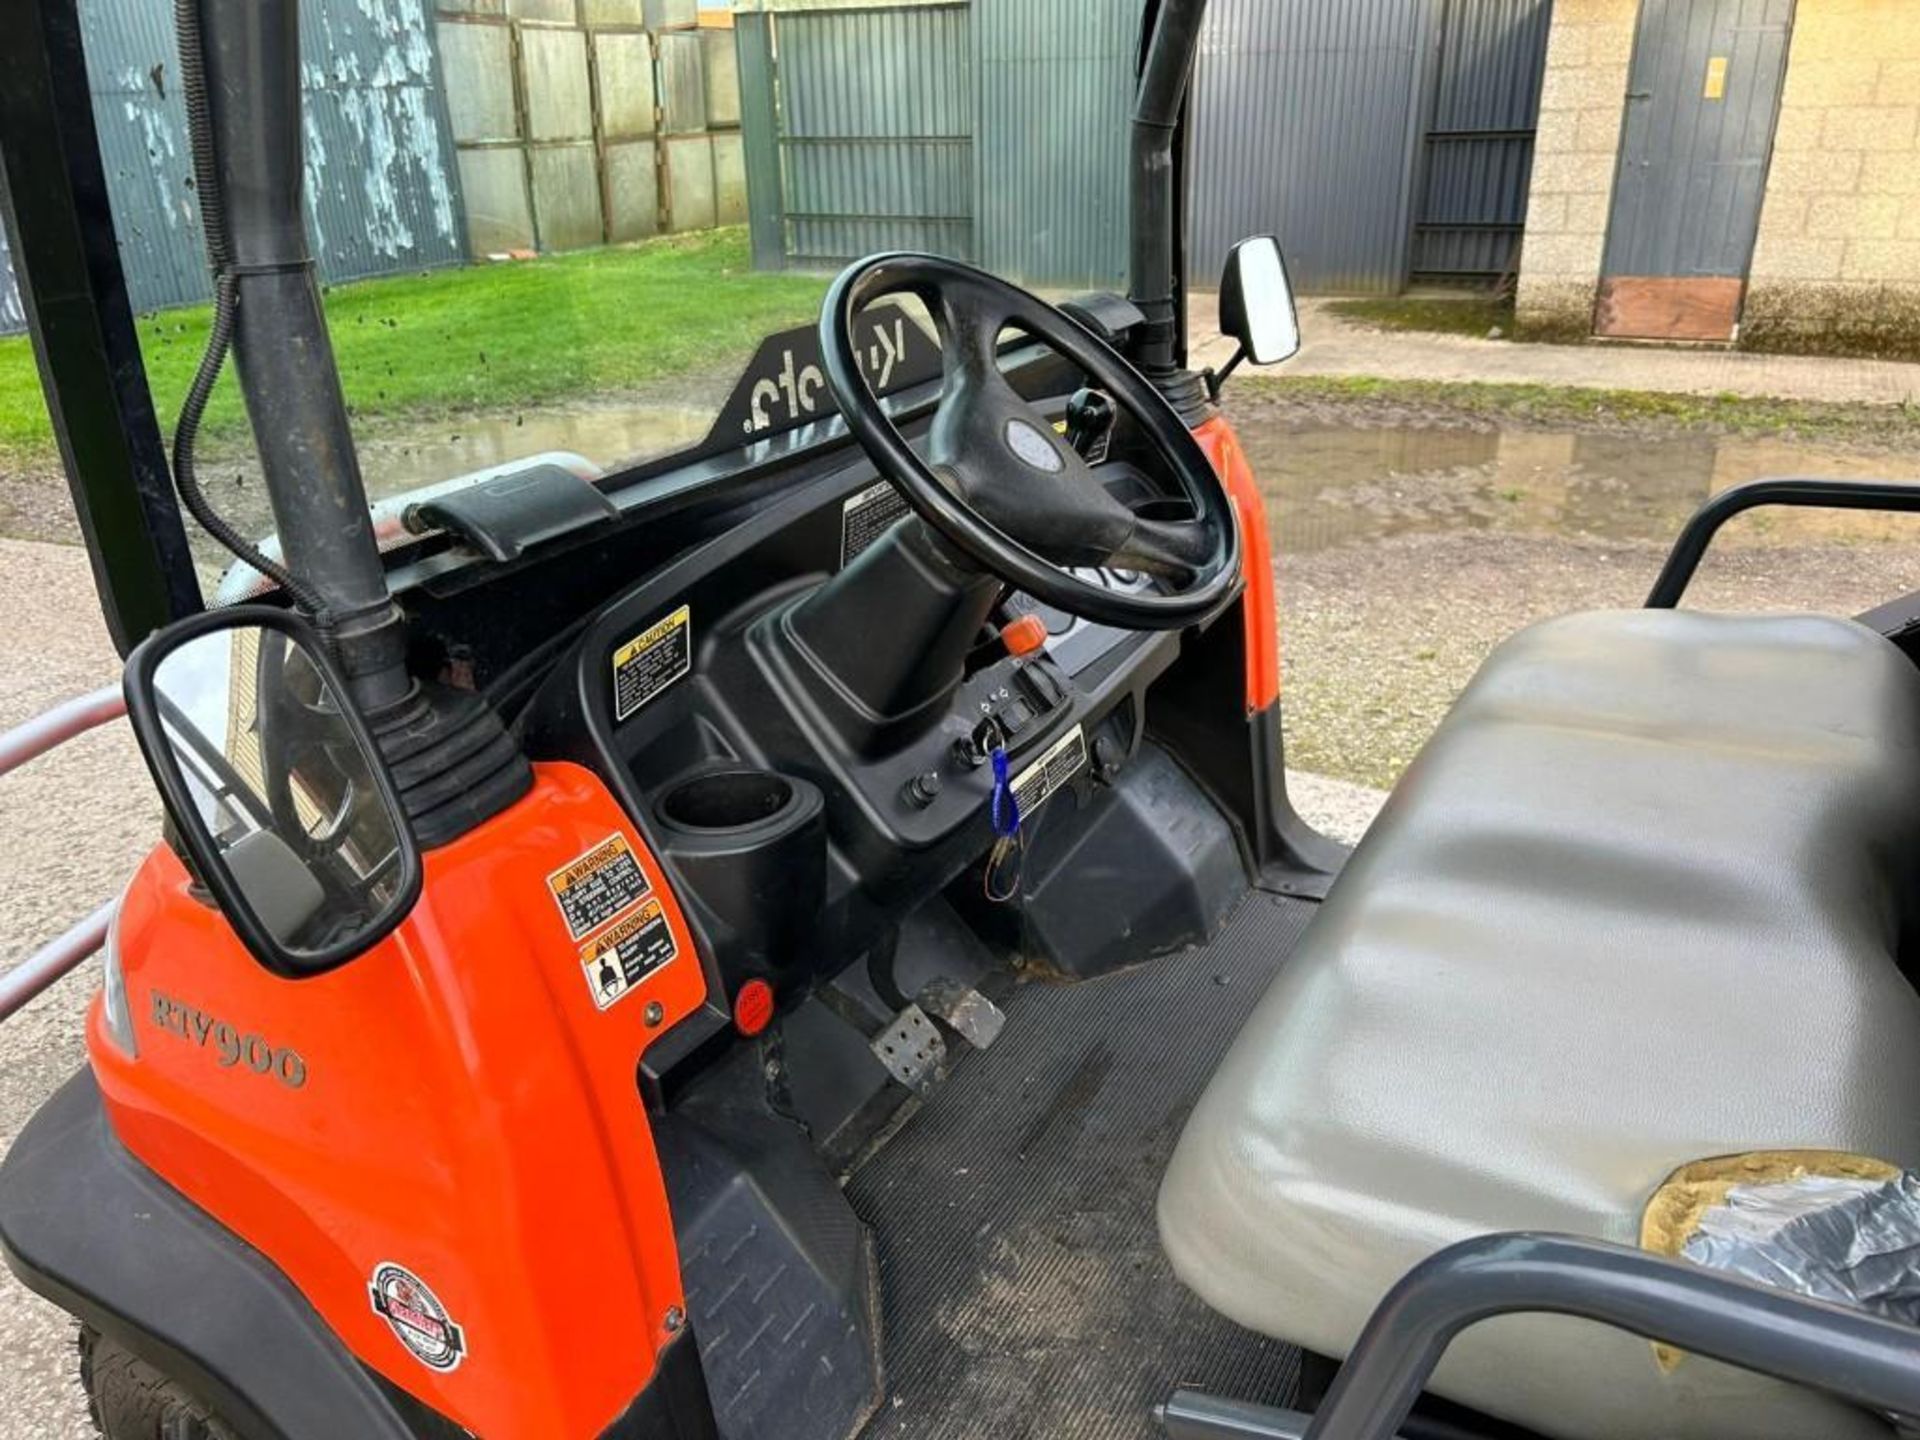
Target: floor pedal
<point>973,1017</point>
<point>912,1051</point>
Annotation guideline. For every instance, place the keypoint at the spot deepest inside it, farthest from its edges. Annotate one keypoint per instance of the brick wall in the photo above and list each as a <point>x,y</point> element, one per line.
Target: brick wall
<point>1839,245</point>
<point>1582,103</point>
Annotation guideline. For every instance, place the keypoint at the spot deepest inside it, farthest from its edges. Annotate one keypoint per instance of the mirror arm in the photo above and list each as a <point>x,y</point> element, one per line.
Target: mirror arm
<point>1217,379</point>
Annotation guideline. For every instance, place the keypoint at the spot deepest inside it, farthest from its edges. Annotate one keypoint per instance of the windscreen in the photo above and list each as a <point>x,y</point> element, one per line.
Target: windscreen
<point>569,235</point>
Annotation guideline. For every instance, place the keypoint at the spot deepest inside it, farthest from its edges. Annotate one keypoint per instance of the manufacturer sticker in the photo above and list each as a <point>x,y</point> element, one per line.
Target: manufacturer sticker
<point>417,1318</point>
<point>1057,764</point>
<point>617,961</point>
<point>598,886</point>
<point>865,517</point>
<point>647,665</point>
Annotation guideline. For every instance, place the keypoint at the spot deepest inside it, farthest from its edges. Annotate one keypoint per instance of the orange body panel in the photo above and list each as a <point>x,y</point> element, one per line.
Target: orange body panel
<point>1217,438</point>
<point>467,1111</point>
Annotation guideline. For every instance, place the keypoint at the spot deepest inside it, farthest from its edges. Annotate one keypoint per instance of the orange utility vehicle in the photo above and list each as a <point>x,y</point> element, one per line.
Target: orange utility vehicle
<point>748,942</point>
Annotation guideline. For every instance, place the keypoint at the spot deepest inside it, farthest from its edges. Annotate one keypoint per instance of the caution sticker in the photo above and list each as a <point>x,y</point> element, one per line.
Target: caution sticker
<point>652,661</point>
<point>598,886</point>
<point>1057,764</point>
<point>865,517</point>
<point>625,955</point>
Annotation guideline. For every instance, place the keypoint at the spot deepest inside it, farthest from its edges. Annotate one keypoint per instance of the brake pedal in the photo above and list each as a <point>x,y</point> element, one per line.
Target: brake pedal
<point>912,1051</point>
<point>970,1015</point>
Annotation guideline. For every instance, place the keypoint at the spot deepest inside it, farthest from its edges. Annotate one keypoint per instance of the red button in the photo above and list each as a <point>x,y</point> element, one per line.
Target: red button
<point>1024,636</point>
<point>753,1007</point>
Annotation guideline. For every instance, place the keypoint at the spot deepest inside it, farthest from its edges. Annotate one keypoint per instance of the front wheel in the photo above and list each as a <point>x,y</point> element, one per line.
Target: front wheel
<point>130,1400</point>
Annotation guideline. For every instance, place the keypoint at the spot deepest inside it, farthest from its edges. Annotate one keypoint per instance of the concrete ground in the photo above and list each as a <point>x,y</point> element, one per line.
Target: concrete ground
<point>72,827</point>
<point>1333,345</point>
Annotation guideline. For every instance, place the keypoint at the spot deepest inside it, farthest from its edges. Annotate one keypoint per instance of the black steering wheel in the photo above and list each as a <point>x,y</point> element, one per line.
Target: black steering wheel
<point>1000,485</point>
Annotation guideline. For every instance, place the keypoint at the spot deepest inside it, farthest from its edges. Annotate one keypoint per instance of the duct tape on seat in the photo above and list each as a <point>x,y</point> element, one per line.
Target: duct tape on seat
<point>1833,1226</point>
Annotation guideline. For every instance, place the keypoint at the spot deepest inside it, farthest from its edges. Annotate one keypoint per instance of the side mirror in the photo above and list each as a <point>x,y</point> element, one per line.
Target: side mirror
<point>1256,305</point>
<point>275,788</point>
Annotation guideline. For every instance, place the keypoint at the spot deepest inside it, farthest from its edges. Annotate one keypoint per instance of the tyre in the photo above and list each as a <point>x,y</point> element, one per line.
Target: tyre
<point>130,1400</point>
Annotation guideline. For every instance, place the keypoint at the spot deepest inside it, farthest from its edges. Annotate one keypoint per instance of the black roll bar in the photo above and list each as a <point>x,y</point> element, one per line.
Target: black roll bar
<point>1848,1353</point>
<point>1691,547</point>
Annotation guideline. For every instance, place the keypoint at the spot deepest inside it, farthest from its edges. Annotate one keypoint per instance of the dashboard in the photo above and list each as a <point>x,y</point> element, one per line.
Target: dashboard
<point>794,847</point>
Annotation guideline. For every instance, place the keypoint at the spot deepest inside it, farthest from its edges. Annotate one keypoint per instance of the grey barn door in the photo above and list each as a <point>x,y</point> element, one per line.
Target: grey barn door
<point>1701,102</point>
<point>1304,127</point>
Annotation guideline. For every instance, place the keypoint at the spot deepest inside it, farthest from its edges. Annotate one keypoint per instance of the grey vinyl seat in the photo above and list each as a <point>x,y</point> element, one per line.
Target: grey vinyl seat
<point>1639,902</point>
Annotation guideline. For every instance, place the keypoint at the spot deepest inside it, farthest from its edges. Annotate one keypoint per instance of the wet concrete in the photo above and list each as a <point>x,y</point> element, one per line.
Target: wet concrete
<point>1331,486</point>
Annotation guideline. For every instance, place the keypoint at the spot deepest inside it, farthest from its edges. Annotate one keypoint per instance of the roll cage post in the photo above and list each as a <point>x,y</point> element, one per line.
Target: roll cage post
<point>66,262</point>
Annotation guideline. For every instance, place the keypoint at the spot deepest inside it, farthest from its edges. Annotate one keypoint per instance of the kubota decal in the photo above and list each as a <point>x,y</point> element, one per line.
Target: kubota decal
<point>417,1318</point>
<point>231,1047</point>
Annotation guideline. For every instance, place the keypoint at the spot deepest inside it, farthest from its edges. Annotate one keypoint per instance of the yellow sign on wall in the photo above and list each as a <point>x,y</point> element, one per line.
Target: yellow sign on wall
<point>1717,78</point>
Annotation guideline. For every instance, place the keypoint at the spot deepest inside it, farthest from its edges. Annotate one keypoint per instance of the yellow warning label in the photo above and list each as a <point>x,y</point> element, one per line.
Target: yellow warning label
<point>617,961</point>
<point>595,888</point>
<point>650,662</point>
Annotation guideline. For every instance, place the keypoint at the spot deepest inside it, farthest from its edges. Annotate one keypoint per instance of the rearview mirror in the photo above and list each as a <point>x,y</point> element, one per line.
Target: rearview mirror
<point>1256,302</point>
<point>278,795</point>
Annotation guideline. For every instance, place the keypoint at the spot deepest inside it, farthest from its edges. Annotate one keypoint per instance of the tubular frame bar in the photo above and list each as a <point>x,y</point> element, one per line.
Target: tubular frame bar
<point>53,728</point>
<point>54,960</point>
<point>28,741</point>
<point>1691,547</point>
<point>1845,1352</point>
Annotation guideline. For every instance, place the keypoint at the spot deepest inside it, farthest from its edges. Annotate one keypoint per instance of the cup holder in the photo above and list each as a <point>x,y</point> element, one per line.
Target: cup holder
<point>749,848</point>
<point>724,800</point>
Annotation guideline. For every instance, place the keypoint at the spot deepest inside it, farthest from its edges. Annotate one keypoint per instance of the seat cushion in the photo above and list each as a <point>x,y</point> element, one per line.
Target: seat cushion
<point>1639,902</point>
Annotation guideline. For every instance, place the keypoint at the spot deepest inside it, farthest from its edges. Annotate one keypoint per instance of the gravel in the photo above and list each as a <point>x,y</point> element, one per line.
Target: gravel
<point>73,824</point>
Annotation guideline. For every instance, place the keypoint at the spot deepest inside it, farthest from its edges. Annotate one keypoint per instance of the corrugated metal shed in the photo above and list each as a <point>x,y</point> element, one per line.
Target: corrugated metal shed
<point>380,170</point>
<point>876,155</point>
<point>1479,153</point>
<point>1281,86</point>
<point>13,316</point>
<point>1056,89</point>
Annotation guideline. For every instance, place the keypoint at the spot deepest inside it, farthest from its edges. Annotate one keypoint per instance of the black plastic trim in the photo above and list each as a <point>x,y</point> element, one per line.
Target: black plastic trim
<point>85,1224</point>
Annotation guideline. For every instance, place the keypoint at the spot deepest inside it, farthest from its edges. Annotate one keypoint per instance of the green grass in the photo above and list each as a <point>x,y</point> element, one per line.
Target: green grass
<point>1443,315</point>
<point>1568,406</point>
<point>487,337</point>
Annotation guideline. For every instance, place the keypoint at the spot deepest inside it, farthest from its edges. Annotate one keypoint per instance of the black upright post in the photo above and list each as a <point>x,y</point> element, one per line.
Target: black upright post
<point>66,261</point>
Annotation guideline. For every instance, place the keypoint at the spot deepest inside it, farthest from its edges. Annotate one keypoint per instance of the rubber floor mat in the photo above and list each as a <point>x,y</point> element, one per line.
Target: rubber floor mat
<point>1024,1292</point>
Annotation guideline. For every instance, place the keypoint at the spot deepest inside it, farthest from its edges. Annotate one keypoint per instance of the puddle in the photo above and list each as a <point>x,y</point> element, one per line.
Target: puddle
<point>612,436</point>
<point>1329,486</point>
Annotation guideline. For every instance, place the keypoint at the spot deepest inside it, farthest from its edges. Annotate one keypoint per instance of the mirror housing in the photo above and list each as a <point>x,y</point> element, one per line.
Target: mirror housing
<point>1256,306</point>
<point>280,801</point>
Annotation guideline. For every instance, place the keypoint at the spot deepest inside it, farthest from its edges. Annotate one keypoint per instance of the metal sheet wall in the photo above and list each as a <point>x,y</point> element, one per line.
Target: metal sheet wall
<point>1479,154</point>
<point>1305,125</point>
<point>381,193</point>
<point>876,155</point>
<point>1056,89</point>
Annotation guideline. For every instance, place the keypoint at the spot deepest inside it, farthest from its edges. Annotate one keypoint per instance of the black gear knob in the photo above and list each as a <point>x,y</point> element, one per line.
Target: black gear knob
<point>1089,421</point>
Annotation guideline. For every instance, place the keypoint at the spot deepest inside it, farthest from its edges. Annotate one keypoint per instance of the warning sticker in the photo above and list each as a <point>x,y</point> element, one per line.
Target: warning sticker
<point>650,662</point>
<point>866,517</point>
<point>1057,764</point>
<point>598,886</point>
<point>632,950</point>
